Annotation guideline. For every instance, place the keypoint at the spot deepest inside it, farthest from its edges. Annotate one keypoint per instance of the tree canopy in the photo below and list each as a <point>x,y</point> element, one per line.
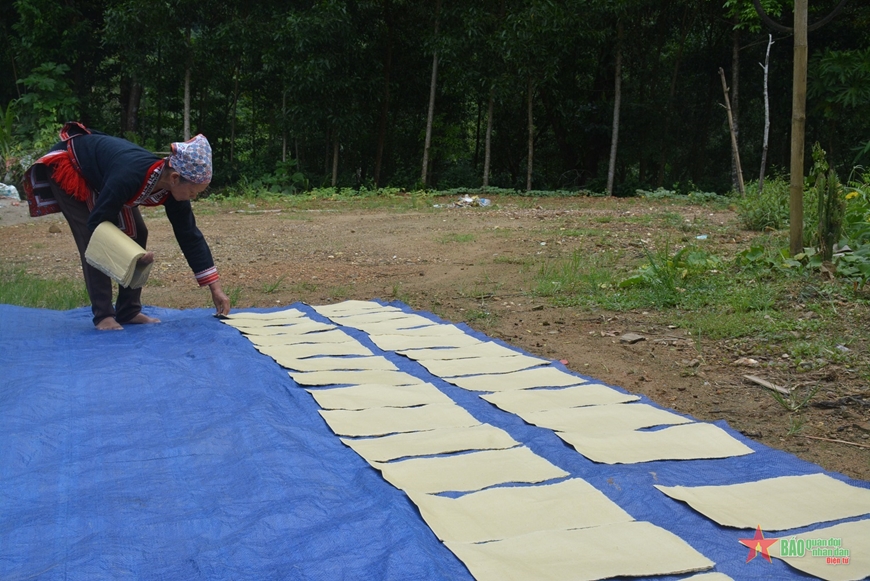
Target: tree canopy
<point>327,84</point>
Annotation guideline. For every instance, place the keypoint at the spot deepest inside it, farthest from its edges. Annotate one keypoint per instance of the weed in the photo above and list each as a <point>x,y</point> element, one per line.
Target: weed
<point>270,287</point>
<point>459,238</point>
<point>19,288</point>
<point>340,292</point>
<point>235,294</point>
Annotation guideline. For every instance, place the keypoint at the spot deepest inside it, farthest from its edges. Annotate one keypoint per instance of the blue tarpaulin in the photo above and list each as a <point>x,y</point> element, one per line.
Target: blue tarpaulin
<point>177,451</point>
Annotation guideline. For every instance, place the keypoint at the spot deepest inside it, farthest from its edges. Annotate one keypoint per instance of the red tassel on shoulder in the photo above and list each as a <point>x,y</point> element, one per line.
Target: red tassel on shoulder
<point>68,178</point>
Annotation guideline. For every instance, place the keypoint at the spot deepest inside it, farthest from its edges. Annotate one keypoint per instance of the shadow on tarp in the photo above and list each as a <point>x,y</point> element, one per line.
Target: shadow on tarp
<point>177,451</point>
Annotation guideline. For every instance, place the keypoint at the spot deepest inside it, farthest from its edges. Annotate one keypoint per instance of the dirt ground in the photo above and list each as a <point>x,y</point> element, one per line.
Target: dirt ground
<point>477,265</point>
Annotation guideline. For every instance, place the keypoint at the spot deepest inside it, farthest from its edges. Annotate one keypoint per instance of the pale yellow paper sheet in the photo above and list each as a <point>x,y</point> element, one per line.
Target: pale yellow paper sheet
<point>855,537</point>
<point>603,419</point>
<point>363,397</point>
<point>260,323</point>
<point>709,577</point>
<point>535,400</point>
<point>682,442</point>
<point>302,350</point>
<point>480,365</point>
<point>117,255</point>
<point>396,342</point>
<point>286,314</point>
<point>437,441</point>
<point>480,349</point>
<point>329,363</point>
<point>775,504</point>
<point>637,549</point>
<point>296,329</point>
<point>471,471</point>
<point>382,421</point>
<point>329,336</point>
<point>398,318</point>
<point>431,330</point>
<point>353,377</point>
<point>352,307</point>
<point>500,513</point>
<point>525,379</point>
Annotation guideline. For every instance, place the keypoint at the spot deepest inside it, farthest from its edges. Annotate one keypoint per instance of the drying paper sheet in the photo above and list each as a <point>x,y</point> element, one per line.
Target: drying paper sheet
<point>487,349</point>
<point>296,329</point>
<point>287,314</point>
<point>353,377</point>
<point>395,320</point>
<point>362,397</point>
<point>478,365</point>
<point>525,379</point>
<point>504,512</point>
<point>637,549</point>
<point>330,363</point>
<point>601,419</point>
<point>390,328</point>
<point>683,442</point>
<point>303,350</point>
<point>396,342</point>
<point>352,308</point>
<point>854,537</point>
<point>775,504</point>
<point>438,441</point>
<point>381,421</point>
<point>318,338</point>
<point>709,577</point>
<point>536,400</point>
<point>471,471</point>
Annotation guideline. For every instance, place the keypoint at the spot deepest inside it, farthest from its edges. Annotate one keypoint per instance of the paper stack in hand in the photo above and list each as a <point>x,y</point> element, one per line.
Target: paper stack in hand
<point>117,255</point>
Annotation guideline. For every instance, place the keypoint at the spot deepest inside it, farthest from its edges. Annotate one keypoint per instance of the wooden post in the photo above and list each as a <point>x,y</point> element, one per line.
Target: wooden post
<point>734,149</point>
<point>798,124</point>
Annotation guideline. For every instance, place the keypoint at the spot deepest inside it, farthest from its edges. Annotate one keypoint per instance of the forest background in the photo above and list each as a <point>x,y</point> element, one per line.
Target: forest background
<point>459,93</point>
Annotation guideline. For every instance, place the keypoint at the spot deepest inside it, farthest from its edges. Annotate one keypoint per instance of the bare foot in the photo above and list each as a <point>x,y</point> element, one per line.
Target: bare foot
<point>109,324</point>
<point>146,259</point>
<point>142,319</point>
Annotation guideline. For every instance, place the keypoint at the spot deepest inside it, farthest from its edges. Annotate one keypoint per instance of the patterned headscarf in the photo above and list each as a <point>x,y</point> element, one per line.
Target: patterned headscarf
<point>192,159</point>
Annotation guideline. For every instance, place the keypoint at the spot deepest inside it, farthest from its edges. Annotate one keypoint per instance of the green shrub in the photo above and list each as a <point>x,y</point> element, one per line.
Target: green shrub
<point>767,209</point>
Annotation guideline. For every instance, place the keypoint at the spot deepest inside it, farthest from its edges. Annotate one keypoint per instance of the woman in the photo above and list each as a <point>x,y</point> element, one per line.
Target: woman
<point>92,177</point>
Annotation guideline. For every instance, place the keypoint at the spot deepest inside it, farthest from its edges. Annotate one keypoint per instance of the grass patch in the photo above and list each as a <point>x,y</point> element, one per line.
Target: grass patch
<point>457,238</point>
<point>25,290</point>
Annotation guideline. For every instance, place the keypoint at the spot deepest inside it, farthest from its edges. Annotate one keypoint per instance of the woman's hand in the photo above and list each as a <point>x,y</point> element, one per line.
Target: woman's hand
<point>220,299</point>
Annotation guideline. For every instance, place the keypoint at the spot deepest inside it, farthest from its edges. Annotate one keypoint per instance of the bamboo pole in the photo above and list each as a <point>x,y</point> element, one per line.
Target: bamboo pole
<point>798,126</point>
<point>734,150</point>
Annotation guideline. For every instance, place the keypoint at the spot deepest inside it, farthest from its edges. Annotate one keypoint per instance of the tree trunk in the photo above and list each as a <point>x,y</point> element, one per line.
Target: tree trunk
<point>487,154</point>
<point>385,103</point>
<point>686,25</point>
<point>430,116</point>
<point>187,103</point>
<point>284,126</point>
<point>235,110</point>
<point>736,180</point>
<point>531,138</point>
<point>131,94</point>
<point>735,151</point>
<point>335,148</point>
<point>798,124</point>
<point>766,69</point>
<point>187,88</point>
<point>617,97</point>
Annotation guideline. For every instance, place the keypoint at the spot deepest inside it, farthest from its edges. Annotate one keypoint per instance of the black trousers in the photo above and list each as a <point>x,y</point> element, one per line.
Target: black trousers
<point>99,285</point>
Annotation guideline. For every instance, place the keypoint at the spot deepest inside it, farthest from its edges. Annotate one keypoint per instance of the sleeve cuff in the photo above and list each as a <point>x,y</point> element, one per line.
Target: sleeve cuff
<point>207,277</point>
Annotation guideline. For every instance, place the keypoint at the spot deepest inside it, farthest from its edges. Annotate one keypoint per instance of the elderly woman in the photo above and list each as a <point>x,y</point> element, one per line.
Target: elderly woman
<point>92,177</point>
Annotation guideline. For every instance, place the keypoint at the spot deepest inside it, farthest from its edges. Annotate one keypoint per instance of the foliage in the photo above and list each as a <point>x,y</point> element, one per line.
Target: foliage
<point>311,79</point>
<point>49,99</point>
<point>855,265</point>
<point>19,288</point>
<point>767,209</point>
<point>831,204</point>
